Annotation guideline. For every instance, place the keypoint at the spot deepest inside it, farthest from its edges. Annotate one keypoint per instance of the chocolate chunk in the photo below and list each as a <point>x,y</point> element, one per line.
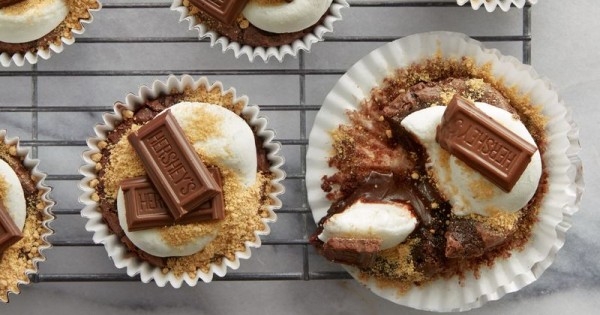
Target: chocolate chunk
<point>9,232</point>
<point>156,105</point>
<point>356,252</point>
<point>143,115</point>
<point>6,3</point>
<point>112,220</point>
<point>462,240</point>
<point>428,254</point>
<point>173,166</point>
<point>146,209</point>
<point>225,11</point>
<point>493,150</point>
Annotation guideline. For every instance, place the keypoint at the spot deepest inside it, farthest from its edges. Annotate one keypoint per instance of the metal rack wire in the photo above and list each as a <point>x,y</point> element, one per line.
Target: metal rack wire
<point>303,108</point>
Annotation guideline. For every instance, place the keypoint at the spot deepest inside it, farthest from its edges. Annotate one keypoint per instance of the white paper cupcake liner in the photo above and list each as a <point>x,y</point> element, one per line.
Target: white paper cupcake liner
<point>115,248</point>
<point>264,53</point>
<point>490,5</point>
<point>565,174</point>
<point>32,165</point>
<point>32,57</point>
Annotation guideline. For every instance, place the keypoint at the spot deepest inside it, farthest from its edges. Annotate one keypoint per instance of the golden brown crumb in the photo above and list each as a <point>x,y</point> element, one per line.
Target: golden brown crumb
<point>123,163</point>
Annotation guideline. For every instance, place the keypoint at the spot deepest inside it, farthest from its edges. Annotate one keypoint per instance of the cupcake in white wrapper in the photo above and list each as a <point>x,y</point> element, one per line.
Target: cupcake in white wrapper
<point>20,53</point>
<point>21,259</point>
<point>324,26</point>
<point>490,5</point>
<point>203,264</point>
<point>564,184</point>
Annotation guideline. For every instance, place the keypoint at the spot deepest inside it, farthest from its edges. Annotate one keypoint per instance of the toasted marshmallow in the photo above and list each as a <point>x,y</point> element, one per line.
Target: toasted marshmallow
<point>14,197</point>
<point>31,20</point>
<point>152,242</point>
<point>387,221</point>
<point>234,146</point>
<point>286,17</point>
<point>467,190</point>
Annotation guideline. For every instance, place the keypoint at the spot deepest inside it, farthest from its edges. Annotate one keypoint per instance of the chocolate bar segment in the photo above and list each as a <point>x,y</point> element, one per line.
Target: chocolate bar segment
<point>146,209</point>
<point>9,232</point>
<point>225,11</point>
<point>173,166</point>
<point>479,141</point>
<point>356,252</point>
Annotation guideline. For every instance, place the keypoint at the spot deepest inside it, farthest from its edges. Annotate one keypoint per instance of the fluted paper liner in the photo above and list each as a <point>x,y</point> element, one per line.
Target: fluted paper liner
<point>32,57</point>
<point>264,53</point>
<point>491,5</point>
<point>565,176</point>
<point>115,248</point>
<point>32,166</point>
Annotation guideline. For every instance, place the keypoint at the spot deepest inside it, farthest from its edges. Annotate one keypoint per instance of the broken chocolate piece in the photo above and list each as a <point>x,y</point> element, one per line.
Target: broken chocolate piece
<point>493,150</point>
<point>9,232</point>
<point>226,11</point>
<point>355,252</point>
<point>146,209</point>
<point>173,166</point>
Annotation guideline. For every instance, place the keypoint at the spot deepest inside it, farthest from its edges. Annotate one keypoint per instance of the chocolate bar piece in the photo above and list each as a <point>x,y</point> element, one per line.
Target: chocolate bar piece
<point>497,153</point>
<point>173,166</point>
<point>146,209</point>
<point>225,11</point>
<point>355,252</point>
<point>9,232</point>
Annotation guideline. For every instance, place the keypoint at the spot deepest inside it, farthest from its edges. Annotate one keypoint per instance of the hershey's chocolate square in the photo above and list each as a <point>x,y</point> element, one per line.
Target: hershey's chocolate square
<point>226,11</point>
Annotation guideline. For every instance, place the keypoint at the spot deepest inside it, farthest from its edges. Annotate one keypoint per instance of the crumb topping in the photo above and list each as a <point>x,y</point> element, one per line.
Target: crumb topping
<point>3,187</point>
<point>123,163</point>
<point>19,258</point>
<point>203,125</point>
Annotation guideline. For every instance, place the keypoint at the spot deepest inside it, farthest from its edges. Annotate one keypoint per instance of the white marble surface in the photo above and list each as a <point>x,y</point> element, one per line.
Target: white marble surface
<point>566,41</point>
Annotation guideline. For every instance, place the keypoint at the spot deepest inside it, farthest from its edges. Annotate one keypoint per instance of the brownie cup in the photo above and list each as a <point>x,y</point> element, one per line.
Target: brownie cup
<point>247,171</point>
<point>26,213</point>
<point>56,25</point>
<point>262,28</point>
<point>408,217</point>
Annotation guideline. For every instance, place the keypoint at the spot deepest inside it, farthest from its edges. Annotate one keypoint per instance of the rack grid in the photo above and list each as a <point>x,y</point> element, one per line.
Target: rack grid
<point>303,108</point>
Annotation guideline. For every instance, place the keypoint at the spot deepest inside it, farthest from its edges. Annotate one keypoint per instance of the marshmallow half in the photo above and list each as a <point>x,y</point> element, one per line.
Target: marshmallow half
<point>390,222</point>
<point>286,17</point>
<point>35,20</point>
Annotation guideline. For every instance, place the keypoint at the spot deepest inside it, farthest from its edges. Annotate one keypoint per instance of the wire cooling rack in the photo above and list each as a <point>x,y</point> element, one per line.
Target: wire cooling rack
<point>36,135</point>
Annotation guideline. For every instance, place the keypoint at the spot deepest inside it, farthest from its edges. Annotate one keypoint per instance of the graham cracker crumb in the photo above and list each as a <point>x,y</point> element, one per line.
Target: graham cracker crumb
<point>123,163</point>
<point>482,189</point>
<point>127,114</point>
<point>102,144</point>
<point>3,187</point>
<point>498,220</point>
<point>202,126</point>
<point>239,226</point>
